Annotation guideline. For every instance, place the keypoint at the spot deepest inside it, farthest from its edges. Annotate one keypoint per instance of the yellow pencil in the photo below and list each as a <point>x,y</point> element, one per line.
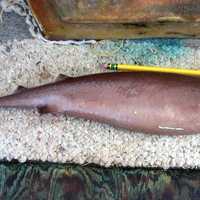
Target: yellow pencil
<point>141,68</point>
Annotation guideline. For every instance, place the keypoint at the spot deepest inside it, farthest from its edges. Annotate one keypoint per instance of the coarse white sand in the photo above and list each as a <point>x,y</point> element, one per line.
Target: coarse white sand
<point>25,135</point>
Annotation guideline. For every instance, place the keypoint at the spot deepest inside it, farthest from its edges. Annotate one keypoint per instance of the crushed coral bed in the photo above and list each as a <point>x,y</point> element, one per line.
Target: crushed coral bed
<point>25,135</point>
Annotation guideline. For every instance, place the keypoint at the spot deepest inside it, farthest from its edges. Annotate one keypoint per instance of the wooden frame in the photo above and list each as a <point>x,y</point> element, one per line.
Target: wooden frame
<point>151,18</point>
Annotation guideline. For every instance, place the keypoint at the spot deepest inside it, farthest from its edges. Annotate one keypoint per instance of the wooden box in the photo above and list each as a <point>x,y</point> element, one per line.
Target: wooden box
<point>117,19</point>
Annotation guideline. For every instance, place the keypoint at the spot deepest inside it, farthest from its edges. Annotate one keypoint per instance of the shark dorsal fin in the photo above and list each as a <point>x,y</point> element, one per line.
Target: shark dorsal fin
<point>62,77</point>
<point>20,89</point>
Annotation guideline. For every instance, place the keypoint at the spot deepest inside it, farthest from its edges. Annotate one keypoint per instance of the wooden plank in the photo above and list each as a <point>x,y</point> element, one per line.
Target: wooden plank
<point>117,19</point>
<point>123,11</point>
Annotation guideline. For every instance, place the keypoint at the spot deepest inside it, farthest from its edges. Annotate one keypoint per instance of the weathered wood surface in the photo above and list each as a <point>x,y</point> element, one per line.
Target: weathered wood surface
<point>117,19</point>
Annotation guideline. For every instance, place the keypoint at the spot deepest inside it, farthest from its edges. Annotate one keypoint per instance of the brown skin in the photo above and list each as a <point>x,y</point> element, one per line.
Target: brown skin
<point>147,102</point>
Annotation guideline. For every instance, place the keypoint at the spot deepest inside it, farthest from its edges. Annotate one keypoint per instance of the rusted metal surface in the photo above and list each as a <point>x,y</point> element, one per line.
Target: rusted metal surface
<point>117,19</point>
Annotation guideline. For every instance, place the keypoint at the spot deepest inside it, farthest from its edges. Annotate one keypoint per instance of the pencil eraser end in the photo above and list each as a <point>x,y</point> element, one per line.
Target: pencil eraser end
<point>103,66</point>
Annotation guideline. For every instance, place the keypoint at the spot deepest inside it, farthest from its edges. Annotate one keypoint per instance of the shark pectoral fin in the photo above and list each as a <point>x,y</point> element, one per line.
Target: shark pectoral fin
<point>48,109</point>
<point>20,89</point>
<point>62,77</point>
<point>43,110</point>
